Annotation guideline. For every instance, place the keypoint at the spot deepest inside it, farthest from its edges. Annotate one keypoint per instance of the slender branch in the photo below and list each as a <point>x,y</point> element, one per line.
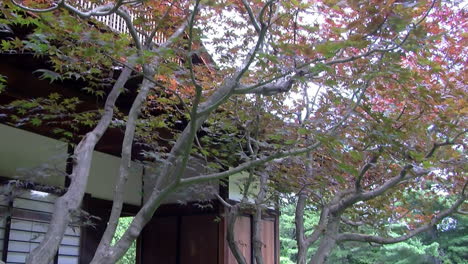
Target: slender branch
<point>150,79</point>
<point>193,113</point>
<point>251,55</point>
<point>280,154</point>
<point>366,167</point>
<point>231,83</point>
<point>426,14</point>
<point>275,84</point>
<point>131,28</point>
<point>102,10</point>
<point>153,33</point>
<point>253,20</point>
<point>300,229</point>
<point>435,146</point>
<point>54,6</point>
<point>351,198</point>
<point>226,204</point>
<point>280,86</point>
<point>303,241</point>
<point>390,240</point>
<point>104,245</point>
<point>248,164</point>
<point>351,222</point>
<point>125,164</point>
<point>460,211</point>
<point>176,35</point>
<point>198,88</point>
<point>257,219</point>
<point>387,185</point>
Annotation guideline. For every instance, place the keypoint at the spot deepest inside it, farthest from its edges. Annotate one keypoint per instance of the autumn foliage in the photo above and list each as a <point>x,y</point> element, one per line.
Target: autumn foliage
<point>358,108</point>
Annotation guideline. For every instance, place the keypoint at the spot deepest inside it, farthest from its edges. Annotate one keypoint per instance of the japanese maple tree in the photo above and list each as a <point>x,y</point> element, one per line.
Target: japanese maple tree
<point>356,103</point>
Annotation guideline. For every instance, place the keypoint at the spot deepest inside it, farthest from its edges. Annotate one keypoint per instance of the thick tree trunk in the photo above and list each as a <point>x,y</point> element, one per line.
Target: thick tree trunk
<point>328,241</point>
<point>300,233</point>
<point>302,243</point>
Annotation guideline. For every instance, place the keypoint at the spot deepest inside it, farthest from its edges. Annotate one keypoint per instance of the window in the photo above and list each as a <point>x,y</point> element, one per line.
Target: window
<point>30,215</point>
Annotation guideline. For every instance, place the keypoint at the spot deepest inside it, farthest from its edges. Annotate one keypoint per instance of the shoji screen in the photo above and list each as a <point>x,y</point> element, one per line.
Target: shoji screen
<point>30,217</point>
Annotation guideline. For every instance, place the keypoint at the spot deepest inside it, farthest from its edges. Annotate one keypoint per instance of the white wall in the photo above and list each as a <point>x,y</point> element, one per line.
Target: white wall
<point>103,174</point>
<point>23,152</point>
<point>236,186</point>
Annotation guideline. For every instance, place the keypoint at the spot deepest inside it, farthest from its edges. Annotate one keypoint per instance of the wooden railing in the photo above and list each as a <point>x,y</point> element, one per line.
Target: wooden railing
<point>116,23</point>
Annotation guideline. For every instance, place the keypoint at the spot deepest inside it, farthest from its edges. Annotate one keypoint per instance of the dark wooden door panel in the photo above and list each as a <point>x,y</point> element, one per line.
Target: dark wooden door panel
<point>199,240</point>
<point>268,239</point>
<point>159,241</point>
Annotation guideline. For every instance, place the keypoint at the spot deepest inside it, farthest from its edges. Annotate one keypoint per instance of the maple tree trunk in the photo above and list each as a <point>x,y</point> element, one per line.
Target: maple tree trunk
<point>172,169</point>
<point>231,219</point>
<point>257,220</point>
<point>125,164</point>
<point>70,202</point>
<point>299,223</point>
<point>175,165</point>
<point>257,242</point>
<point>328,241</point>
<point>148,70</point>
<point>302,243</point>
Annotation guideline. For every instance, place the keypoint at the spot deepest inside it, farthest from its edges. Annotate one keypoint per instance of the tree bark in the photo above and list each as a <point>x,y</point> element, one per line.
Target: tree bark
<point>230,236</point>
<point>303,242</point>
<point>174,167</point>
<point>70,202</point>
<point>126,154</point>
<point>123,171</point>
<point>327,243</point>
<point>300,233</point>
<point>257,219</point>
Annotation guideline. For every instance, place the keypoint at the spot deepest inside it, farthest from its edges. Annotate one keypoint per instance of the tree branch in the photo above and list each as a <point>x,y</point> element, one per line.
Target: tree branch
<point>351,222</point>
<point>390,240</point>
<point>102,251</point>
<point>131,28</point>
<point>71,200</point>
<point>175,165</point>
<point>230,236</point>
<point>435,146</point>
<point>102,10</point>
<point>125,164</point>
<point>366,167</point>
<point>257,219</point>
<point>157,26</point>
<point>277,86</point>
<point>220,199</point>
<point>280,86</point>
<point>54,6</point>
<point>253,20</point>
<point>387,185</point>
